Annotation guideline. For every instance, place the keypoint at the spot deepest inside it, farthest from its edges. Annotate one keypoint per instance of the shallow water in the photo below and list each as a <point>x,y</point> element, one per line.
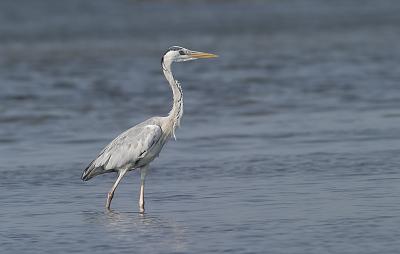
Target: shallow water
<point>289,142</point>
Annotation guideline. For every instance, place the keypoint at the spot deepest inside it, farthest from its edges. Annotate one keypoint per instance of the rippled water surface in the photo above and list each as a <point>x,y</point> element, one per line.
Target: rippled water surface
<point>289,143</point>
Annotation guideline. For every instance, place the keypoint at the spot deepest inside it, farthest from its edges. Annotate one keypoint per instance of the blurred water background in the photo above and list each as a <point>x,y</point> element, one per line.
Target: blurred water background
<point>289,143</point>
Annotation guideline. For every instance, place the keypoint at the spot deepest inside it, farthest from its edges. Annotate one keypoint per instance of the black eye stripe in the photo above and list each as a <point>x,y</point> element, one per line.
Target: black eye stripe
<point>174,48</point>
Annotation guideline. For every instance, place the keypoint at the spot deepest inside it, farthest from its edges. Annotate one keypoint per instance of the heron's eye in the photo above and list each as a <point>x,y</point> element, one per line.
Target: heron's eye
<point>181,52</point>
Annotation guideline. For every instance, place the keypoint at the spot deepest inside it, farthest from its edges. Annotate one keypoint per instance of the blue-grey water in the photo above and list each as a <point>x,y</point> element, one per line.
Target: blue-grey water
<point>290,140</point>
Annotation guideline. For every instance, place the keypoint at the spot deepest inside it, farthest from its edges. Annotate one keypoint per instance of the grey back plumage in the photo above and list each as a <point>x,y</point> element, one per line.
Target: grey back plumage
<point>128,149</point>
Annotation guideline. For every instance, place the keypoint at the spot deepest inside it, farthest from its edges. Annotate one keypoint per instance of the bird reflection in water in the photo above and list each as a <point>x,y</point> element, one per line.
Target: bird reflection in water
<point>130,227</point>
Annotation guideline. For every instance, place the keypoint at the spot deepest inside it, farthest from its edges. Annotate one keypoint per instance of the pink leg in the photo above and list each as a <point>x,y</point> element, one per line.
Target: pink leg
<point>143,172</point>
<point>111,192</point>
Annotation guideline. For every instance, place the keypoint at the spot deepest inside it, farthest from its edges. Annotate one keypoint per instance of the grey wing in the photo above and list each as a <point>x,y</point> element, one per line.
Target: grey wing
<point>124,150</point>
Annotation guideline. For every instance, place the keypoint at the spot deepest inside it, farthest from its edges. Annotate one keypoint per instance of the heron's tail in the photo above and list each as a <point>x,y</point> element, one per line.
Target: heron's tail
<point>91,171</point>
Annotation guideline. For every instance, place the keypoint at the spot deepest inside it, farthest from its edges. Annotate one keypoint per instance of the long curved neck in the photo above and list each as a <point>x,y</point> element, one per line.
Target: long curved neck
<point>176,112</point>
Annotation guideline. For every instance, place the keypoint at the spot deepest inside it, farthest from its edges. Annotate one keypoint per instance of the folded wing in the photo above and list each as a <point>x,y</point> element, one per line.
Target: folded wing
<point>126,149</point>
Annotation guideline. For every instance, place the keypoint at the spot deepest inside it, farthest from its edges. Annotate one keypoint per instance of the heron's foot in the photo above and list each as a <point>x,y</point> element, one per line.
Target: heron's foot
<point>141,207</point>
<point>109,198</point>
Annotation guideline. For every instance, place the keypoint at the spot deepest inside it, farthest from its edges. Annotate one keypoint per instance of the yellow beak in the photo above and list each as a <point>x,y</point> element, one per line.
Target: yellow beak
<point>197,54</point>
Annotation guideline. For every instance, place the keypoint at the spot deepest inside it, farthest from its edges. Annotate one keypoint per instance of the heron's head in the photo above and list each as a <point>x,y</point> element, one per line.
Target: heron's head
<point>180,54</point>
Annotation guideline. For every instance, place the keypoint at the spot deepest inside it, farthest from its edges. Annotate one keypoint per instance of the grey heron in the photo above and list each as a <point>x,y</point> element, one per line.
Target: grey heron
<point>138,146</point>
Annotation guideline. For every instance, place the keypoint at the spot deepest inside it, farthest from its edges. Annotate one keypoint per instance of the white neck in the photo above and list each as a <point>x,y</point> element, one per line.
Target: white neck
<point>176,112</point>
